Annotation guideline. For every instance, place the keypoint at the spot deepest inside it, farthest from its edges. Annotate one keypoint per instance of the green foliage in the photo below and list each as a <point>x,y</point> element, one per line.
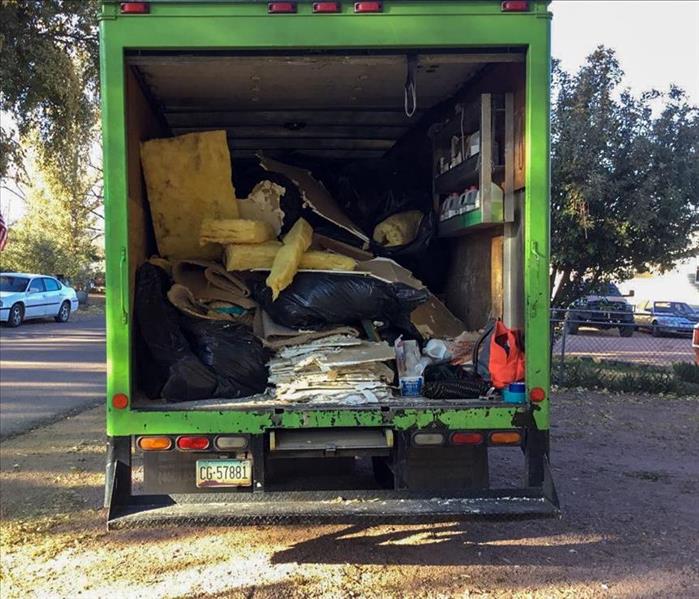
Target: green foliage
<point>624,377</point>
<point>49,73</point>
<point>625,183</point>
<point>58,233</point>
<point>685,371</point>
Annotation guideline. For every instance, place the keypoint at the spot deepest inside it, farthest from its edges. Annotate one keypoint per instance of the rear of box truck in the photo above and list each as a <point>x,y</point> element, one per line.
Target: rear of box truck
<point>337,83</point>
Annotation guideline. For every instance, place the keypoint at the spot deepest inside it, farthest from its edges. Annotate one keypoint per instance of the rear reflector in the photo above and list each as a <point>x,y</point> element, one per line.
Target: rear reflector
<point>514,6</point>
<point>281,7</point>
<point>231,442</point>
<point>154,443</point>
<point>326,7</point>
<point>506,438</point>
<point>192,443</point>
<point>368,6</point>
<point>428,439</point>
<point>537,394</point>
<point>135,8</point>
<point>120,401</point>
<point>467,438</point>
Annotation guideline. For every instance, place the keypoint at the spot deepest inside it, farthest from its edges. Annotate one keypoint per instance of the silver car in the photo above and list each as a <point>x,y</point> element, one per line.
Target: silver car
<point>666,318</point>
<point>25,296</point>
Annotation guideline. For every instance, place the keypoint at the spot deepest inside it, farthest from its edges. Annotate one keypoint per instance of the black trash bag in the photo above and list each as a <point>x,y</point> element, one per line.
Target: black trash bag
<point>167,367</point>
<point>232,352</point>
<point>314,300</point>
<point>455,389</point>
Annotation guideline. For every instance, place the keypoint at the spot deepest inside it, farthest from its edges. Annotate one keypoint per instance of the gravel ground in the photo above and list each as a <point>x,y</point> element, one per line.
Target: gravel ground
<point>627,470</point>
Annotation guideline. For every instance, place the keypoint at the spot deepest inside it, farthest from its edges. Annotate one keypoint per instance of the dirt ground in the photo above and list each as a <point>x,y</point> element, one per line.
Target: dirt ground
<point>627,470</point>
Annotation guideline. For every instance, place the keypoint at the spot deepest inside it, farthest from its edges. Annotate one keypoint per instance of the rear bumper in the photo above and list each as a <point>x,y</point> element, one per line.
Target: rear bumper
<point>335,507</point>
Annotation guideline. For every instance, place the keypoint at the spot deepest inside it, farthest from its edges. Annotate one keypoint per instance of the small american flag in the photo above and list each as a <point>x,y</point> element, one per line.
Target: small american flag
<point>3,233</point>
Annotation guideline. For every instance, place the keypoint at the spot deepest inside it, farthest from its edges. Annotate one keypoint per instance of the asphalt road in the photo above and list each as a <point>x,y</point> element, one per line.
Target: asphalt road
<point>49,370</point>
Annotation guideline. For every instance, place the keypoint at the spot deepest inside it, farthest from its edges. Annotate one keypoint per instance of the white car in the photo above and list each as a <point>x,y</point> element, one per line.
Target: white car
<point>25,296</point>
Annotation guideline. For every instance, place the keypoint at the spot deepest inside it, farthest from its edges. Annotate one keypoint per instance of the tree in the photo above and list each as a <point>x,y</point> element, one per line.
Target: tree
<point>49,74</point>
<point>60,228</point>
<point>625,183</point>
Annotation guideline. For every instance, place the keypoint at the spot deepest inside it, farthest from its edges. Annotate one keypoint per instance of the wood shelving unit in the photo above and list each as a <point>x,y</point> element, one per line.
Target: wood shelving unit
<point>493,116</point>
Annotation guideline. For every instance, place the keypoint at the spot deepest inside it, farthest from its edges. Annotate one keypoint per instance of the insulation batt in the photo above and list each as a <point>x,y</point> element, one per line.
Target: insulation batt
<point>286,262</point>
<point>249,257</point>
<point>188,177</point>
<point>399,229</point>
<point>236,230</point>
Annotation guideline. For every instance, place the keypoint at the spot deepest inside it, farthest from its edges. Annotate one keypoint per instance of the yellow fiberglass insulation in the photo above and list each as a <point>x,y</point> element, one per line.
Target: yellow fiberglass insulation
<point>235,230</point>
<point>188,178</point>
<point>249,257</point>
<point>246,257</point>
<point>315,260</point>
<point>288,258</point>
<point>398,229</point>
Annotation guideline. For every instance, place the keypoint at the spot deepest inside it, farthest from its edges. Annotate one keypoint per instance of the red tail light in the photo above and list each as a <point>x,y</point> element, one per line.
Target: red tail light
<point>135,8</point>
<point>537,394</point>
<point>120,401</point>
<point>192,443</point>
<point>368,6</point>
<point>514,6</point>
<point>467,438</point>
<point>326,7</point>
<point>281,7</point>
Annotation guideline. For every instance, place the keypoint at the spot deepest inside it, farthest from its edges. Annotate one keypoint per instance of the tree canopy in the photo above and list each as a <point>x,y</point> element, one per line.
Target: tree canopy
<point>49,75</point>
<point>625,180</point>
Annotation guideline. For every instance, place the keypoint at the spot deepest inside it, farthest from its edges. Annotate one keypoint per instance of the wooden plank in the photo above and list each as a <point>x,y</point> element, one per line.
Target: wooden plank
<point>496,276</point>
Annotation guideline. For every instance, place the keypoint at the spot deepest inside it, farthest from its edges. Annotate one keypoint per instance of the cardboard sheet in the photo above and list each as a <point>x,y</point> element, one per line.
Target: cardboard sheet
<point>209,281</point>
<point>315,195</point>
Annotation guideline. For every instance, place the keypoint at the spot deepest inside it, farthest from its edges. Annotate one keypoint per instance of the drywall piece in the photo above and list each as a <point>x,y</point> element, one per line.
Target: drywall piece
<point>315,195</point>
<point>363,354</point>
<point>235,230</point>
<point>263,204</point>
<point>286,262</point>
<point>434,320</point>
<point>187,178</point>
<point>389,271</point>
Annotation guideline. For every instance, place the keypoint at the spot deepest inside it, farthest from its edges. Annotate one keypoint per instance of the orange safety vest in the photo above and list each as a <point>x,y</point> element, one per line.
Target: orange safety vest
<point>506,360</point>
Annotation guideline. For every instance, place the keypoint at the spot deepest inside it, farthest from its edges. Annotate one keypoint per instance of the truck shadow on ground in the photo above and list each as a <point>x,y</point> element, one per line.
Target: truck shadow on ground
<point>484,543</point>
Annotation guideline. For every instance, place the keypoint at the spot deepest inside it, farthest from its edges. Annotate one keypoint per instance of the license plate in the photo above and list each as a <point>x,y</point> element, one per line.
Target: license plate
<point>224,473</point>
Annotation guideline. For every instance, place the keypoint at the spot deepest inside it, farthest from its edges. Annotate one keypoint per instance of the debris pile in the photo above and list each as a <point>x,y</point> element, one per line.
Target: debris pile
<point>337,369</point>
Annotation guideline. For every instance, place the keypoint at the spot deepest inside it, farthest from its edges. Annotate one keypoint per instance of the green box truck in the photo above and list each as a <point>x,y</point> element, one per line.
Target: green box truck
<point>345,82</point>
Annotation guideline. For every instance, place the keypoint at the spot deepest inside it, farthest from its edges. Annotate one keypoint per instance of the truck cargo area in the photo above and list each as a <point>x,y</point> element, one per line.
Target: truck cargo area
<point>349,112</point>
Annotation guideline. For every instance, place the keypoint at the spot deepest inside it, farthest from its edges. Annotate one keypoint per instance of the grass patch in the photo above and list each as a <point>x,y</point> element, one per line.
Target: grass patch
<point>687,372</point>
<point>624,377</point>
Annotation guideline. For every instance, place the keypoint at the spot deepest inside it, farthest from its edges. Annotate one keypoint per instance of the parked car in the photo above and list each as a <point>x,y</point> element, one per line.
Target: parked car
<point>664,318</point>
<point>600,312</point>
<point>25,296</point>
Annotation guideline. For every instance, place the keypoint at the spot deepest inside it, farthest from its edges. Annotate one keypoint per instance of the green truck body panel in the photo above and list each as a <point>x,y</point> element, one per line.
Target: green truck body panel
<point>245,26</point>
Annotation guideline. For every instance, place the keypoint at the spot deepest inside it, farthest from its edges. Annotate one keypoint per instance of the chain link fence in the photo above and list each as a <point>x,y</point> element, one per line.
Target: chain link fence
<point>614,350</point>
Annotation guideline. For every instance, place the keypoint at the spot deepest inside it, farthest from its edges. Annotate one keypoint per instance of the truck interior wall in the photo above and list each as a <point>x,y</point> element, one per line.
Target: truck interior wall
<point>142,123</point>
